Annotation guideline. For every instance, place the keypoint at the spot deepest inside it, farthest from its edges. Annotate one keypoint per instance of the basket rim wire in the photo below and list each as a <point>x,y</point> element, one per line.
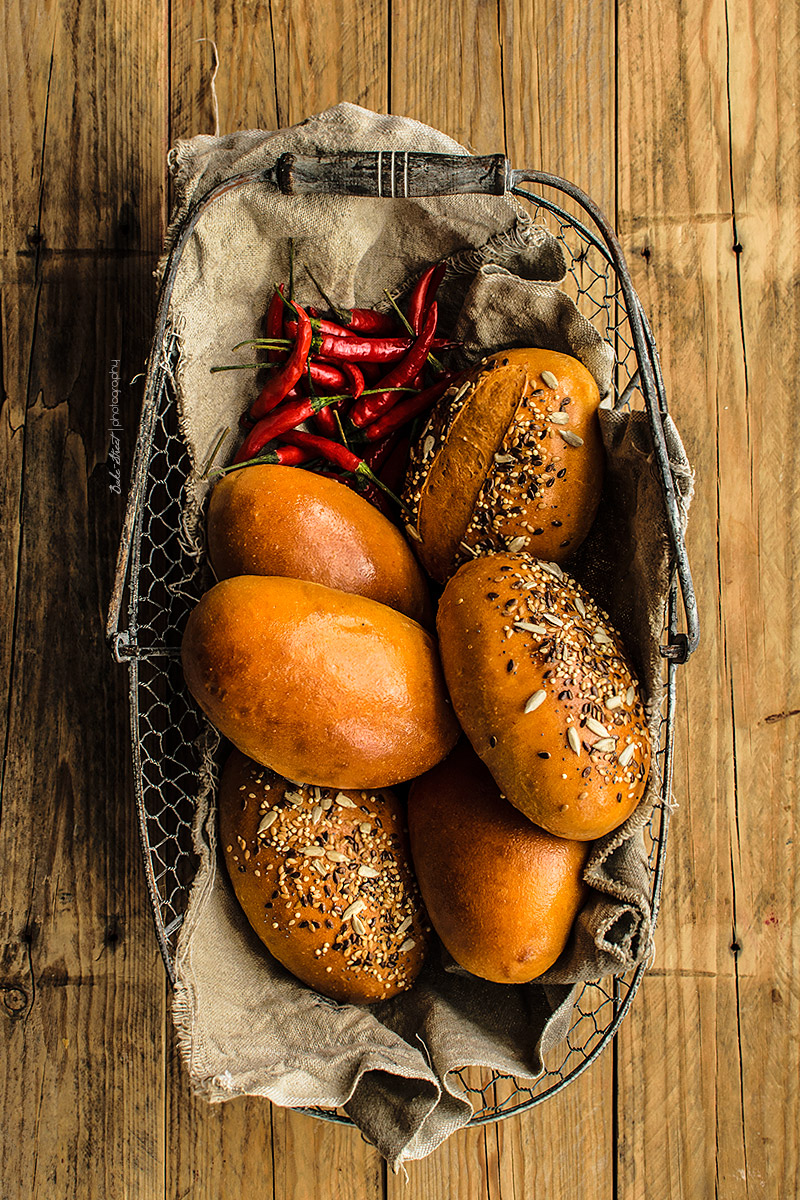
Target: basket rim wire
<point>134,562</point>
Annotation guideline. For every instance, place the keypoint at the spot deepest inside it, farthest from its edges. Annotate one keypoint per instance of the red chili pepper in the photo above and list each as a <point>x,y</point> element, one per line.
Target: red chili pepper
<point>396,465</point>
<point>416,301</point>
<point>353,349</point>
<point>321,326</point>
<point>273,324</point>
<point>368,322</point>
<point>376,453</point>
<point>406,410</point>
<point>355,379</point>
<point>277,423</point>
<point>325,422</point>
<point>369,409</point>
<point>339,456</point>
<point>276,387</point>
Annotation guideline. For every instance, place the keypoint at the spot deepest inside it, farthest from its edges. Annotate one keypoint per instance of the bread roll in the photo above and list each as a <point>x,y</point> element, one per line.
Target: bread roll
<point>501,893</point>
<point>542,687</point>
<point>318,684</point>
<point>271,520</point>
<point>511,459</point>
<point>324,879</point>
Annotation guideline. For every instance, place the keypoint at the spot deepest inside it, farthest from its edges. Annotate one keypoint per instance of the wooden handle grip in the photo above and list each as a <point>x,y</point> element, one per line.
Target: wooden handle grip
<point>402,173</point>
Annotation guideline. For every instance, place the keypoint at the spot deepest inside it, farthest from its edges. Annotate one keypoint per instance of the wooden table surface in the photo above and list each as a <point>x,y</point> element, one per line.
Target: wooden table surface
<point>680,119</point>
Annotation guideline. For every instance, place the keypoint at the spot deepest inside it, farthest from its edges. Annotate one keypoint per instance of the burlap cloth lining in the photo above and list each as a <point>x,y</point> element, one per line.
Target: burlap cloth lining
<point>245,1026</point>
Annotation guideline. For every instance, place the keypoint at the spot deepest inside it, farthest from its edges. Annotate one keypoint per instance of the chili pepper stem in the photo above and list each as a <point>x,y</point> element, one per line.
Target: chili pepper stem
<point>364,471</point>
<point>341,313</point>
<point>340,427</point>
<point>432,359</point>
<point>215,452</point>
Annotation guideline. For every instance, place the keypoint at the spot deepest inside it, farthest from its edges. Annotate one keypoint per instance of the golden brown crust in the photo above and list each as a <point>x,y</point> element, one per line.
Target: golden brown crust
<point>511,459</point>
<point>518,634</point>
<point>272,520</point>
<point>320,685</point>
<point>501,893</point>
<point>327,883</point>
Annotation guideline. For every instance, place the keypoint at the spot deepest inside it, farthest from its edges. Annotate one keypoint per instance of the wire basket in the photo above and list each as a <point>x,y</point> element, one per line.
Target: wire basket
<point>158,583</point>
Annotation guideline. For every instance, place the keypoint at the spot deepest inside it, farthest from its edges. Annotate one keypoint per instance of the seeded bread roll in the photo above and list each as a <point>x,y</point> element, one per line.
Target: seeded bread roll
<point>501,893</point>
<point>542,687</point>
<point>272,520</point>
<point>511,459</point>
<point>324,878</point>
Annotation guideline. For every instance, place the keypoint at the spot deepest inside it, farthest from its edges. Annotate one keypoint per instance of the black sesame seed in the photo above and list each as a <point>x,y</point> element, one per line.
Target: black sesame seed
<point>536,532</point>
<point>566,542</point>
<point>556,524</point>
<point>544,754</point>
<point>510,666</point>
<point>492,743</point>
<point>560,474</point>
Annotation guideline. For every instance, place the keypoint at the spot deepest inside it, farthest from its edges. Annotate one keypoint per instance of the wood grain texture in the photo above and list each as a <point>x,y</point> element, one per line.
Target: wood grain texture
<point>81,989</point>
<point>680,120</point>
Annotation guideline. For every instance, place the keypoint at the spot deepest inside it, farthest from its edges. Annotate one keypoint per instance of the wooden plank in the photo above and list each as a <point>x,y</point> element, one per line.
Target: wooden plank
<point>759,475</point>
<point>566,127</point>
<point>279,62</point>
<point>724,1012</point>
<point>82,993</point>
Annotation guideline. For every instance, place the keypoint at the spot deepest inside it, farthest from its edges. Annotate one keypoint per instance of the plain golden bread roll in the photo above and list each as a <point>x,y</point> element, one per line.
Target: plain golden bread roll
<point>511,459</point>
<point>318,684</point>
<point>501,893</point>
<point>323,877</point>
<point>541,686</point>
<point>271,520</point>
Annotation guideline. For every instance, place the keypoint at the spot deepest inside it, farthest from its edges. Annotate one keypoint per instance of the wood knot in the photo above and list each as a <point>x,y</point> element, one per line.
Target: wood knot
<point>14,1000</point>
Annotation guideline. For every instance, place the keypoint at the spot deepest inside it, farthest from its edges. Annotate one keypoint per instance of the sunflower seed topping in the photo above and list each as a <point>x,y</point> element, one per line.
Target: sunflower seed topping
<point>630,695</point>
<point>312,851</point>
<point>627,754</point>
<point>614,702</point>
<point>412,533</point>
<point>529,627</point>
<point>293,797</point>
<point>535,700</point>
<point>368,872</point>
<point>354,909</point>
<point>365,828</point>
<point>596,727</point>
<point>572,439</point>
<point>552,618</point>
<point>359,926</point>
<point>266,822</point>
<point>405,925</point>
<point>345,801</point>
<point>601,638</point>
<point>407,945</point>
<point>574,740</point>
<point>559,418</point>
<point>549,379</point>
<point>552,569</point>
<point>517,543</point>
<point>581,607</point>
<point>502,459</point>
<point>316,813</point>
<point>605,745</point>
<point>336,857</point>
